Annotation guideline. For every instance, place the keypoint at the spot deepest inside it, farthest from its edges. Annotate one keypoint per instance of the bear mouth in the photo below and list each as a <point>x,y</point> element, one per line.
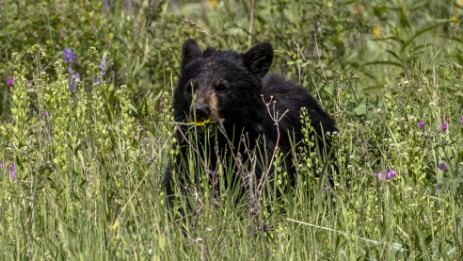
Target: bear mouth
<point>206,126</point>
<point>202,123</point>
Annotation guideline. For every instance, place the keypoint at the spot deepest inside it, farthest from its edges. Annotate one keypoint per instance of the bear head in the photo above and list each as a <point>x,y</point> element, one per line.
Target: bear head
<point>218,86</point>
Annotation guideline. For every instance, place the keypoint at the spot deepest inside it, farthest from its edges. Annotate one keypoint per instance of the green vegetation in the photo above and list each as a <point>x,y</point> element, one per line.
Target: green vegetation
<point>86,130</point>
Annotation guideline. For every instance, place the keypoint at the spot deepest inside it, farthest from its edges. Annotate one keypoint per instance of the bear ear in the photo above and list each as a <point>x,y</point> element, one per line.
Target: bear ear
<point>190,51</point>
<point>258,59</point>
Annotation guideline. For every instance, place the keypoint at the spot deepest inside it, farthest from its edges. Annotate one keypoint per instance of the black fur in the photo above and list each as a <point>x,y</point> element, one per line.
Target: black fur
<point>239,85</point>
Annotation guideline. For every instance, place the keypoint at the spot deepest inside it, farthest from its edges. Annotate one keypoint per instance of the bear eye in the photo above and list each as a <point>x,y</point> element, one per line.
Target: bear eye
<point>220,86</point>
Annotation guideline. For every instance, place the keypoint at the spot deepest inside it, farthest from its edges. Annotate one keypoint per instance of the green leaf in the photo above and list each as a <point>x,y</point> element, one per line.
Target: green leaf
<point>383,63</point>
<point>420,32</point>
<point>361,109</point>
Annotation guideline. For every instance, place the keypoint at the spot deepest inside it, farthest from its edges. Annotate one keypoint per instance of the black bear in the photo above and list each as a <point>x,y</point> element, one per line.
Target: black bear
<point>233,107</point>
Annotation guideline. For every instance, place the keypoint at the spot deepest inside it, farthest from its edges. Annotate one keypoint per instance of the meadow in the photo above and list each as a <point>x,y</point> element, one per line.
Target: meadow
<point>86,130</point>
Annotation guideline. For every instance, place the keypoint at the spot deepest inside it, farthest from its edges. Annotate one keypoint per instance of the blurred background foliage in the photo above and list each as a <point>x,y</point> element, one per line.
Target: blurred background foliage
<point>356,45</point>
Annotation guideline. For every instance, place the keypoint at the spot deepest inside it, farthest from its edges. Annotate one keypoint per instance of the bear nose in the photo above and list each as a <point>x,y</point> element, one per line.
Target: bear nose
<point>201,112</point>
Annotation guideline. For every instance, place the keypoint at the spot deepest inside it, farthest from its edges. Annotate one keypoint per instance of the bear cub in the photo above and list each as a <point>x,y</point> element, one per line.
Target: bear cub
<point>228,107</point>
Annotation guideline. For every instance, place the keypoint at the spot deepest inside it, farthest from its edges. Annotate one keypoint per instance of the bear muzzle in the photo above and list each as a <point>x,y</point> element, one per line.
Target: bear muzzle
<point>201,113</point>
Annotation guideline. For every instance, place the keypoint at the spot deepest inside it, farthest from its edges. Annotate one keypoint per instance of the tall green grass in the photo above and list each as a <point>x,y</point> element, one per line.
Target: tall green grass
<point>89,163</point>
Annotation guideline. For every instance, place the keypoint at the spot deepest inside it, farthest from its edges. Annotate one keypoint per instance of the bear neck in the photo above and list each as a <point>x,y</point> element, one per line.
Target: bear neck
<point>248,121</point>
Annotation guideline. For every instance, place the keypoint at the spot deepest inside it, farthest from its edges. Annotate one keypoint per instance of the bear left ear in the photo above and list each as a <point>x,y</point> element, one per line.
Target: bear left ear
<point>190,51</point>
<point>259,58</point>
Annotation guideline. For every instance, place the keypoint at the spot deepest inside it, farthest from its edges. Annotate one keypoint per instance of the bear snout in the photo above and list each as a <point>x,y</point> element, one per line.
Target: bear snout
<point>202,112</point>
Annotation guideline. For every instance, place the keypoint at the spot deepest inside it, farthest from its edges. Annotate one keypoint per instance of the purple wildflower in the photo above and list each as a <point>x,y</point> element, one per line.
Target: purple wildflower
<point>10,82</point>
<point>378,175</point>
<point>421,124</point>
<point>106,4</point>
<point>45,114</point>
<point>97,81</point>
<point>2,165</point>
<point>390,174</point>
<point>442,166</point>
<point>73,81</point>
<point>128,4</point>
<point>12,173</point>
<point>437,188</point>
<point>444,127</point>
<point>102,66</point>
<point>68,56</point>
<point>461,120</point>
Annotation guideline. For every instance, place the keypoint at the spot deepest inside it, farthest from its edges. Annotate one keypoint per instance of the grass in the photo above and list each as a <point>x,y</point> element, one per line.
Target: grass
<point>88,163</point>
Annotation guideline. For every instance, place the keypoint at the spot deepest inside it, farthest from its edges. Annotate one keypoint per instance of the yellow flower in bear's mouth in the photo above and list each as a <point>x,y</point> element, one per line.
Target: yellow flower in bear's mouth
<point>201,123</point>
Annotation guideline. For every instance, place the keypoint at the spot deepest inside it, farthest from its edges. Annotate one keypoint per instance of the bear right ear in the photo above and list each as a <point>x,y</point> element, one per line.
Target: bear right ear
<point>258,59</point>
<point>190,51</point>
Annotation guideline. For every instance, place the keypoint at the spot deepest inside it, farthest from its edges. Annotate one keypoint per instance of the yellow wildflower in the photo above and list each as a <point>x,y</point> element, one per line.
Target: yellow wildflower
<point>213,3</point>
<point>377,31</point>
